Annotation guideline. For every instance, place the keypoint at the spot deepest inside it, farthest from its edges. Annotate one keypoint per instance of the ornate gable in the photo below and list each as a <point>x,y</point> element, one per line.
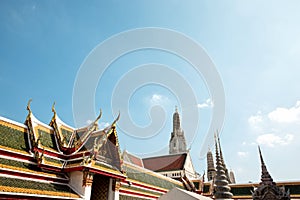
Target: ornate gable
<point>267,189</point>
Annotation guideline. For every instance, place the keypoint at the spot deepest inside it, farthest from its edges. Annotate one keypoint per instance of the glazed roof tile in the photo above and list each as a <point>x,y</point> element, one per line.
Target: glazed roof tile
<point>128,157</point>
<point>165,163</point>
<point>148,177</point>
<point>15,185</point>
<point>27,168</point>
<point>13,138</point>
<point>47,139</point>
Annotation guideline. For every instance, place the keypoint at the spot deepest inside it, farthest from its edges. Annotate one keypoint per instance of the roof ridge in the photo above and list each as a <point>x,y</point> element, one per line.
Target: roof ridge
<point>13,122</point>
<point>168,155</point>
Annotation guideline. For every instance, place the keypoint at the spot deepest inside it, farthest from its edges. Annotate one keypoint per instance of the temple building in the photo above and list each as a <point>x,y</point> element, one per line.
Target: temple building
<point>58,161</point>
<point>178,163</point>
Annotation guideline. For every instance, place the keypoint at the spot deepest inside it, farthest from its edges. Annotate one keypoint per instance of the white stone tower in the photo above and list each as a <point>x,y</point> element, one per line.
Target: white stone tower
<point>177,142</point>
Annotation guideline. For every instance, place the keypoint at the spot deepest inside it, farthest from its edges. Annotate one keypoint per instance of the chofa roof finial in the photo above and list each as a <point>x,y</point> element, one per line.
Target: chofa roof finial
<point>53,108</point>
<point>117,119</point>
<point>28,105</point>
<point>99,116</point>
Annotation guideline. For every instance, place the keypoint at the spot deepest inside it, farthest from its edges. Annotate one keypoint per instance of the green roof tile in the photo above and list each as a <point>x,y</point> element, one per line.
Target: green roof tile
<point>141,190</point>
<point>13,138</point>
<point>18,164</point>
<point>149,179</point>
<point>123,197</point>
<point>21,183</point>
<point>47,139</point>
<point>53,160</point>
<point>67,134</point>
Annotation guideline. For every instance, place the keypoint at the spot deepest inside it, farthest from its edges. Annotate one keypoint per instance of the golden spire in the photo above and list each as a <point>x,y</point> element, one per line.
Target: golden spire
<point>117,119</point>
<point>99,116</point>
<point>53,108</point>
<point>28,105</point>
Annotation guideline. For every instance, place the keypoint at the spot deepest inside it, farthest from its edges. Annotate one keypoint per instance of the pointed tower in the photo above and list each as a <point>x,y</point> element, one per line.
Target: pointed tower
<point>267,188</point>
<point>177,142</point>
<point>232,177</point>
<point>222,190</point>
<point>223,161</point>
<point>211,170</point>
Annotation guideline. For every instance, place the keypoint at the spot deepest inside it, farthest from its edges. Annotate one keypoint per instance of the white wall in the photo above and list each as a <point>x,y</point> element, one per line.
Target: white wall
<point>76,179</point>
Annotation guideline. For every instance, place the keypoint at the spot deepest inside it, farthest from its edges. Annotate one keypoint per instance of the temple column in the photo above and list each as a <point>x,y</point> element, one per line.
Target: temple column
<point>87,184</point>
<point>114,186</point>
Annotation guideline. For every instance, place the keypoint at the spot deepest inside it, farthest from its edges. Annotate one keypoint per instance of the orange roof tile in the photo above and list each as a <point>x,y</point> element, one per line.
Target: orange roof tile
<point>165,163</point>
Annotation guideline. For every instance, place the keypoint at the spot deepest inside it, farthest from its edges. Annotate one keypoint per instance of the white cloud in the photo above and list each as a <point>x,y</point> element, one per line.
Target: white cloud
<point>242,154</point>
<point>248,143</point>
<point>286,115</point>
<point>103,125</point>
<point>255,120</point>
<point>272,140</point>
<point>157,99</point>
<point>88,121</point>
<point>207,104</point>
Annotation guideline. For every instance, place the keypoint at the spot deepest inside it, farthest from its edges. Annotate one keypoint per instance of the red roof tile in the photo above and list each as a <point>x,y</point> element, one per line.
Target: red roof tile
<point>133,159</point>
<point>165,163</point>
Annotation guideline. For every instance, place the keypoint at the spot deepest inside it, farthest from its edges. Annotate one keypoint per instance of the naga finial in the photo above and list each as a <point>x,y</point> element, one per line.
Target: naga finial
<point>28,105</point>
<point>117,119</point>
<point>53,108</point>
<point>99,116</point>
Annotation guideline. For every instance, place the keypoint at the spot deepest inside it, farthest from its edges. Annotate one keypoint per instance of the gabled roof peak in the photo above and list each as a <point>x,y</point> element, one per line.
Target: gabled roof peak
<point>265,176</point>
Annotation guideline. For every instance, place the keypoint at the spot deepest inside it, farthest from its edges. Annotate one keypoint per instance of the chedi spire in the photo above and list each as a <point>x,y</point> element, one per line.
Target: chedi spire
<point>222,190</point>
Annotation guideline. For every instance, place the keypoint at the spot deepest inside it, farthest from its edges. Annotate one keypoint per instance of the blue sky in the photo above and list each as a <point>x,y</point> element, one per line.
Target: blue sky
<point>254,45</point>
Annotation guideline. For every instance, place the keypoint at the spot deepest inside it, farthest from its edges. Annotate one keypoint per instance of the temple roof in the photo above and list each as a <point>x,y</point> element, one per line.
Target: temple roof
<point>267,188</point>
<point>12,186</point>
<point>166,163</point>
<point>35,158</point>
<point>148,177</point>
<point>13,136</point>
<point>130,158</point>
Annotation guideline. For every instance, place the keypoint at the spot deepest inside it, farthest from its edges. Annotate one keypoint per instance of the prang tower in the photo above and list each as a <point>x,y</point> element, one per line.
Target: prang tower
<point>177,142</point>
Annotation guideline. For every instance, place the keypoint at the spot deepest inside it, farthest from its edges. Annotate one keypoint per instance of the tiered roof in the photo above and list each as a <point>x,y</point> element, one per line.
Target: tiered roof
<point>35,158</point>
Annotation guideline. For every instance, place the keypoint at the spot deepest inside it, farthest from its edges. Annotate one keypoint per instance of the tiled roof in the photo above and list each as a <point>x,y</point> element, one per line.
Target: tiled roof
<point>17,165</point>
<point>125,197</point>
<point>66,134</point>
<point>97,165</point>
<point>127,157</point>
<point>165,163</point>
<point>53,161</point>
<point>89,144</point>
<point>14,185</point>
<point>13,138</point>
<point>47,139</point>
<point>148,177</point>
